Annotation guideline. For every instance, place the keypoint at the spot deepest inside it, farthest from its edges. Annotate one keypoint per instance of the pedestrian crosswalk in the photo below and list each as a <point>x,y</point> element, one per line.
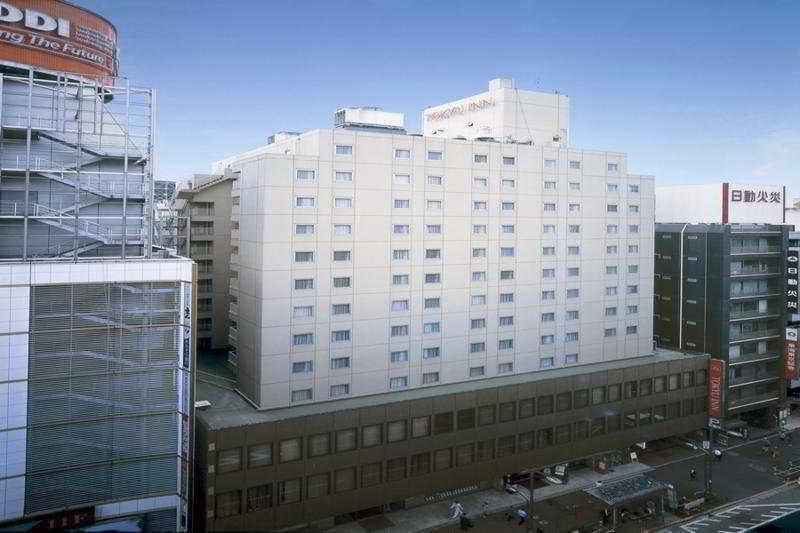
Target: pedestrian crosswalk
<point>739,518</point>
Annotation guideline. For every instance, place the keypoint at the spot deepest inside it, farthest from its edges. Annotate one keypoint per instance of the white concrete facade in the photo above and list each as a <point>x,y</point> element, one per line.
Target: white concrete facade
<point>539,256</point>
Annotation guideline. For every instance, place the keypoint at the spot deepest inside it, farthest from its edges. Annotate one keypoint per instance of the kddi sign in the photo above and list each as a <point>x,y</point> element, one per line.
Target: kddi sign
<point>34,20</point>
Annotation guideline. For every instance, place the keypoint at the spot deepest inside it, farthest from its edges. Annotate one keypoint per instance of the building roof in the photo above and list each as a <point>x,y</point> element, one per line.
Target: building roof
<point>230,409</point>
<point>624,490</point>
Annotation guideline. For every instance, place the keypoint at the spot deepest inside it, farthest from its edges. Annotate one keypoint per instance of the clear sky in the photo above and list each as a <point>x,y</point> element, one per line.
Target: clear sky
<point>694,91</point>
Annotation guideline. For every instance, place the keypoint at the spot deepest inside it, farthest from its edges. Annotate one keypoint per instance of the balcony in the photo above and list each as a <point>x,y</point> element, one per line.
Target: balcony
<point>760,377</point>
<point>756,293</point>
<point>755,357</point>
<point>756,401</point>
<point>754,271</point>
<point>742,250</point>
<point>756,334</point>
<point>233,308</point>
<point>744,315</point>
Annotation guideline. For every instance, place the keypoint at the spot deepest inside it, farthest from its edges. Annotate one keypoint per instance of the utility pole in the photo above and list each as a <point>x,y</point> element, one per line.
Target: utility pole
<point>709,458</point>
<point>531,477</point>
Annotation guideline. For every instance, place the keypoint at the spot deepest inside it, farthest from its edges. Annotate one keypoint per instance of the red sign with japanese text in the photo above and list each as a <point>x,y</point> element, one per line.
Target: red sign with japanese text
<point>716,373</point>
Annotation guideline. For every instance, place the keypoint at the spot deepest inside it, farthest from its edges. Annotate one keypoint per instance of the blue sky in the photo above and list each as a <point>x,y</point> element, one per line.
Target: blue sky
<point>692,91</point>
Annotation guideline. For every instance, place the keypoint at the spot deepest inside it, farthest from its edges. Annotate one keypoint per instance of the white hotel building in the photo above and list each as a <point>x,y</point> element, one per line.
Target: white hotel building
<point>367,260</point>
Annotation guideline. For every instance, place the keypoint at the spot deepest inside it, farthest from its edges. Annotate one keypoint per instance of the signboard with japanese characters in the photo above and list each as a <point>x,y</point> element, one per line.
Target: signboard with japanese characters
<point>755,204</point>
<point>792,278</point>
<point>716,374</point>
<point>790,354</point>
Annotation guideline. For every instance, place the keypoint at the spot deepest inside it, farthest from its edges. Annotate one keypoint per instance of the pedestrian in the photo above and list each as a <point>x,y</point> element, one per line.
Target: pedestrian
<point>522,516</point>
<point>692,474</point>
<point>456,510</point>
<point>718,454</point>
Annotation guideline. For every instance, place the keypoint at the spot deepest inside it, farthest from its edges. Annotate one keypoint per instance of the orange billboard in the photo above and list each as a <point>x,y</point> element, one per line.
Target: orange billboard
<point>716,376</point>
<point>57,35</point>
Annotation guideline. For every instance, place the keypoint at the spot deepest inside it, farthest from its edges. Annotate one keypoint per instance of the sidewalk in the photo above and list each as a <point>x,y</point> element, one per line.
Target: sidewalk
<point>434,516</point>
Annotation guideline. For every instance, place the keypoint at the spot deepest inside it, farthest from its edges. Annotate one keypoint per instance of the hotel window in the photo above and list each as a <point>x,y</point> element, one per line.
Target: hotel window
<point>613,167</point>
<point>548,317</point>
<point>396,431</point>
<point>396,469</point>
<point>573,250</point>
<point>400,331</point>
<point>304,229</point>
<point>548,250</point>
<point>573,315</point>
<point>633,248</point>
<point>507,206</point>
<point>341,255</point>
<point>571,358</point>
<point>228,504</point>
<point>340,390</point>
<point>420,464</point>
<point>432,303</point>
<point>509,160</point>
<point>305,175</point>
<point>633,289</point>
<point>574,186</point>
<point>549,207</point>
<point>401,229</point>
<point>610,332</point>
<point>611,250</point>
<point>574,208</point>
<point>304,257</point>
<point>611,270</point>
<point>546,362</point>
<point>573,272</point>
<point>481,158</point>
<point>506,297</point>
<point>571,336</point>
<point>401,153</point>
<point>434,156</point>
<point>631,330</point>
<point>507,228</point>
<point>430,377</point>
<point>400,356</point>
<point>434,204</point>
<point>229,460</point>
<point>506,321</point>
<point>549,163</point>
<point>476,371</point>
<point>431,327</point>
<point>400,279</point>
<point>434,180</point>
<point>612,228</point>
<point>574,164</point>
<point>340,362</point>
<point>341,282</point>
<point>633,228</point>
<point>304,201</point>
<point>479,299</point>
<point>612,187</point>
<point>480,182</point>
<point>342,176</point>
<point>477,347</point>
<point>302,395</point>
<point>633,309</point>
<point>479,206</point>
<point>398,382</point>
<point>342,229</point>
<point>611,291</point>
<point>611,311</point>
<point>611,208</point>
<point>633,209</point>
<point>399,305</point>
<point>574,228</point>
<point>434,229</point>
<point>573,293</point>
<point>549,185</point>
<point>302,367</point>
<point>302,339</point>
<point>548,295</point>
<point>548,272</point>
<point>479,252</point>
<point>344,149</point>
<point>401,179</point>
<point>548,228</point>
<point>477,323</point>
<point>433,278</point>
<point>479,276</point>
<point>259,455</point>
<point>479,229</point>
<point>509,183</point>
<point>402,204</point>
<point>505,368</point>
<point>400,255</point>
<point>506,252</point>
<point>548,339</point>
<point>633,188</point>
<point>430,353</point>
<point>633,269</point>
<point>302,311</point>
<point>506,274</point>
<point>505,344</point>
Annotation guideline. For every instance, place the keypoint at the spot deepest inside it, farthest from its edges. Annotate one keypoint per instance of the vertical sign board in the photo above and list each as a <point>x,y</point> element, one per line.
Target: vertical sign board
<point>790,354</point>
<point>716,374</point>
<point>792,258</point>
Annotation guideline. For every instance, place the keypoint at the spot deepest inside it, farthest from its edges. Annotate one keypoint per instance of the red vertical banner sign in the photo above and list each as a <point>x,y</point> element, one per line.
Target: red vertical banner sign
<point>716,374</point>
<point>790,354</point>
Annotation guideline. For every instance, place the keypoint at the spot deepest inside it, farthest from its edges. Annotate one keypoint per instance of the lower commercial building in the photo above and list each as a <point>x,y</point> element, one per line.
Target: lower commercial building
<point>263,470</point>
<point>722,289</point>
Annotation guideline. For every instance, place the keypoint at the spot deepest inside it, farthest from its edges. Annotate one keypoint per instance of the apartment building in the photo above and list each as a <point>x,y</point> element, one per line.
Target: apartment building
<point>202,207</point>
<point>722,289</point>
<point>366,260</point>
